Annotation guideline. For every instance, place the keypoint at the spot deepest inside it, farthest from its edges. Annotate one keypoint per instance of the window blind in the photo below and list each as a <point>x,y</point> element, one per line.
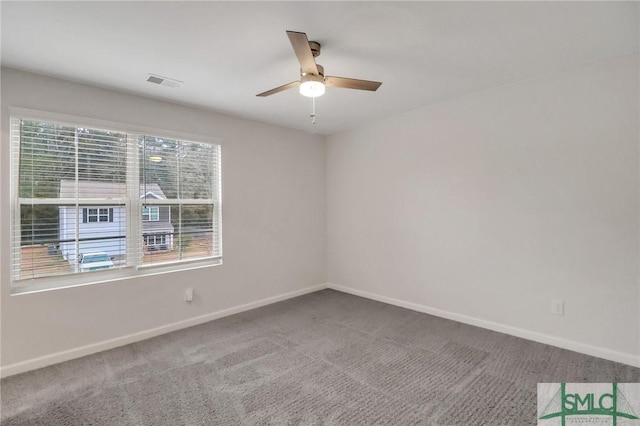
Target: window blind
<point>178,178</point>
<point>87,199</point>
<point>63,172</point>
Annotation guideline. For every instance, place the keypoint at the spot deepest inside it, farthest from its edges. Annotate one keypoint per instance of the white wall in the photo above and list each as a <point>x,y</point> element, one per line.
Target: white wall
<point>486,208</point>
<point>273,225</point>
<point>483,208</point>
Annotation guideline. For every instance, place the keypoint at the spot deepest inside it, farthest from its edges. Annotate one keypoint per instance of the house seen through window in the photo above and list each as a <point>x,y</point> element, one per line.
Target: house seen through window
<point>75,185</point>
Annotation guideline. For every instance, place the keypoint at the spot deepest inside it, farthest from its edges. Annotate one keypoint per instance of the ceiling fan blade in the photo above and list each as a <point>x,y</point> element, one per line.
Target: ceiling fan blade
<point>351,83</point>
<point>280,89</point>
<point>300,44</point>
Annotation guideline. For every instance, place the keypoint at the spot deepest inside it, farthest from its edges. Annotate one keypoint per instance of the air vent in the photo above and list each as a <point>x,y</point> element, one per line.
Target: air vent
<point>163,81</point>
<point>156,80</point>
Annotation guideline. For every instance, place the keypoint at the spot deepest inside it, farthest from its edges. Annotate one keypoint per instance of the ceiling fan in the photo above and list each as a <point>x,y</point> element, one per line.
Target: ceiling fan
<point>312,79</point>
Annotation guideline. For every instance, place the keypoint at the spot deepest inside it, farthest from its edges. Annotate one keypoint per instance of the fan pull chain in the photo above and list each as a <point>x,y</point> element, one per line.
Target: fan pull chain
<point>313,110</point>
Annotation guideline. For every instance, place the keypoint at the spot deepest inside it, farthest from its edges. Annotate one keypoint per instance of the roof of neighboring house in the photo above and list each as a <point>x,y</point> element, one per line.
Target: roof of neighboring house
<point>157,227</point>
<point>97,189</point>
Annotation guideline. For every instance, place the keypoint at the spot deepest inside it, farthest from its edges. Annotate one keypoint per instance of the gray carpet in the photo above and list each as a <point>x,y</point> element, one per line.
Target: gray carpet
<point>323,358</point>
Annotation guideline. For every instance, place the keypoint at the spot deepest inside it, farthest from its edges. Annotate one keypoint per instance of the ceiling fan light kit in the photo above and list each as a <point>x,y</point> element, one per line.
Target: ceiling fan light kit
<point>312,86</point>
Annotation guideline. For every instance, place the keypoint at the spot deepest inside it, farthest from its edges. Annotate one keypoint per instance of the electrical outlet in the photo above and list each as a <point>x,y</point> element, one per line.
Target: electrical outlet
<point>557,306</point>
<point>188,295</point>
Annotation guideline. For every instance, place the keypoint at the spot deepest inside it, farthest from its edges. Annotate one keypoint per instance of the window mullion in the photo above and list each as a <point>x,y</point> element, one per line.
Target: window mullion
<point>134,226</point>
<point>77,222</point>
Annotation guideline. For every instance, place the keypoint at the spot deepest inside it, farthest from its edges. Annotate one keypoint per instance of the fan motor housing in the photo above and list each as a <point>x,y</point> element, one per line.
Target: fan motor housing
<point>311,77</point>
<point>320,71</point>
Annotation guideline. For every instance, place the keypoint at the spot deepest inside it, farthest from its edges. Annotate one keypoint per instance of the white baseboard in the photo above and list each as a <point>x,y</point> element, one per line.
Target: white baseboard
<point>43,361</point>
<point>625,358</point>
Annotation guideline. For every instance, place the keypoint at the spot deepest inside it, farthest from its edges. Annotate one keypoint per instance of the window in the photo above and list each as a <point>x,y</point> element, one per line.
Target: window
<point>153,240</point>
<point>156,242</point>
<point>151,214</point>
<point>96,215</point>
<point>73,186</point>
<point>178,180</point>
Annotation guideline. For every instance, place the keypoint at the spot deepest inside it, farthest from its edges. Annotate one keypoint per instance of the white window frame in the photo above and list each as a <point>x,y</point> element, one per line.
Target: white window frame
<point>134,267</point>
<point>98,215</point>
<point>152,214</point>
<point>158,239</point>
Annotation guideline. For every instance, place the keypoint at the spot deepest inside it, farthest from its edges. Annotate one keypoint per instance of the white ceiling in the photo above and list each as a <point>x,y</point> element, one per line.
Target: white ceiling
<point>227,52</point>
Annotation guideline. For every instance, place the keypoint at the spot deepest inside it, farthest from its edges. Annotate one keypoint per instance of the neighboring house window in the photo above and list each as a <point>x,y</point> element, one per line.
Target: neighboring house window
<point>73,186</point>
<point>95,215</point>
<point>151,214</point>
<point>155,240</point>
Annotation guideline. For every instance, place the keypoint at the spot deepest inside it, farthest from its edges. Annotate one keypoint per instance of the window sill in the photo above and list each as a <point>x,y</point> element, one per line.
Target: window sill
<point>37,285</point>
